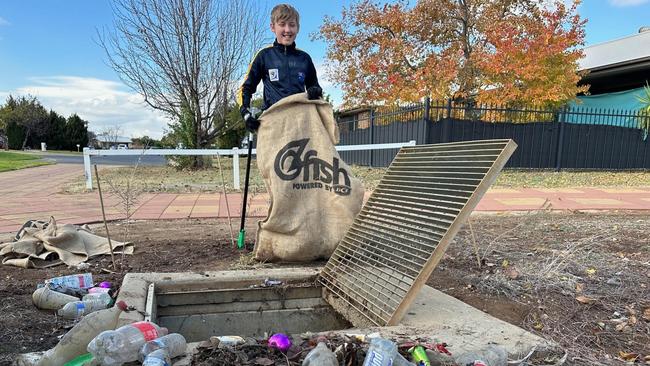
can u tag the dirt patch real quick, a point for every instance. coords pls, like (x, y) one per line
(582, 280)
(533, 267)
(160, 246)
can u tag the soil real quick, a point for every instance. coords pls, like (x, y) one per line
(532, 269)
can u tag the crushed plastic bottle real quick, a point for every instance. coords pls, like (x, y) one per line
(75, 341)
(174, 343)
(104, 298)
(321, 355)
(159, 357)
(99, 290)
(77, 309)
(383, 352)
(492, 355)
(116, 347)
(72, 281)
(48, 299)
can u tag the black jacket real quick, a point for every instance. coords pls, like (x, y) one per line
(284, 70)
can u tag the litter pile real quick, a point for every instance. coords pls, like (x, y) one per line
(338, 349)
(40, 244)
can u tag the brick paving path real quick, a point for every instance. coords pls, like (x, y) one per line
(35, 194)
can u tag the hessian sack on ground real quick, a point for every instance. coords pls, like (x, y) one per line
(314, 197)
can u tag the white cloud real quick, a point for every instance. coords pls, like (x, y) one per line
(622, 3)
(4, 21)
(103, 103)
(328, 86)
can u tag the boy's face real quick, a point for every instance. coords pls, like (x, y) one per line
(285, 31)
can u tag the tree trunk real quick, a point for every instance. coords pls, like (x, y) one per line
(27, 134)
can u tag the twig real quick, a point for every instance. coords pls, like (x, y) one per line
(474, 243)
(101, 201)
(225, 197)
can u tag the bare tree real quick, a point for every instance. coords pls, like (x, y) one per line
(185, 55)
(110, 135)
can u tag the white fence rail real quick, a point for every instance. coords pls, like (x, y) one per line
(235, 152)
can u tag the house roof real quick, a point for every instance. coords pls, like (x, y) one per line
(114, 139)
(617, 53)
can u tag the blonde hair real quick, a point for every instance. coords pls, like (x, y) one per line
(284, 12)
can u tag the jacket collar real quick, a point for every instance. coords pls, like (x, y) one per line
(284, 48)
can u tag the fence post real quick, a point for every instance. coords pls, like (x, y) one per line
(426, 139)
(235, 167)
(372, 132)
(560, 139)
(87, 171)
(427, 106)
(447, 124)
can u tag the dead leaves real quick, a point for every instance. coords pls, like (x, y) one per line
(585, 299)
(646, 314)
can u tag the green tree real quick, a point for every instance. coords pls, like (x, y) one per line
(76, 132)
(55, 136)
(15, 135)
(32, 117)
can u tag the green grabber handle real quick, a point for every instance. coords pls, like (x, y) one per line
(242, 232)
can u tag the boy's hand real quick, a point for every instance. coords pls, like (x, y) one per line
(314, 92)
(252, 123)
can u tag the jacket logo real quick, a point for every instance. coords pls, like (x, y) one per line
(316, 173)
(274, 75)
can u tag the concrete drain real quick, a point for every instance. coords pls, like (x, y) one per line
(253, 312)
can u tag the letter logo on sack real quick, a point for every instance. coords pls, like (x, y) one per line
(290, 164)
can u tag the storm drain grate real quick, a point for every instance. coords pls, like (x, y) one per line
(406, 225)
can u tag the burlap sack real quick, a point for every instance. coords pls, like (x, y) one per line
(314, 197)
(52, 244)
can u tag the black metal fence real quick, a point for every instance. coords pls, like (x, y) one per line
(565, 138)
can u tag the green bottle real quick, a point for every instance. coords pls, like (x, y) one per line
(80, 360)
(419, 355)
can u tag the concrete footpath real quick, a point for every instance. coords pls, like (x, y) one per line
(35, 194)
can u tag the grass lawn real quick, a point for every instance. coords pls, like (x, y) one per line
(168, 179)
(14, 161)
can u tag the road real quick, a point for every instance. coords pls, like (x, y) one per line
(106, 160)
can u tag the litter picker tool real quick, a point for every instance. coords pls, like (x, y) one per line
(242, 232)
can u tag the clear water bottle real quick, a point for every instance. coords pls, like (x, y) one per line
(492, 355)
(77, 309)
(72, 281)
(174, 343)
(94, 290)
(320, 356)
(75, 342)
(159, 357)
(383, 352)
(103, 298)
(116, 347)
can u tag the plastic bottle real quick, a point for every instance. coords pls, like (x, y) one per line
(81, 360)
(174, 343)
(159, 357)
(320, 356)
(77, 309)
(104, 298)
(116, 347)
(383, 352)
(48, 299)
(73, 281)
(74, 343)
(492, 355)
(99, 290)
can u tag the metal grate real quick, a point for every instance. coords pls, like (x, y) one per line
(406, 225)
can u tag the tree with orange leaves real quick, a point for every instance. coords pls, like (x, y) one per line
(507, 51)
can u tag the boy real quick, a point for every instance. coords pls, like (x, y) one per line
(284, 69)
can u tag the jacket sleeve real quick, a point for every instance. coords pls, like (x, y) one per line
(311, 79)
(249, 86)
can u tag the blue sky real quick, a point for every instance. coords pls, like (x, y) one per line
(48, 49)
